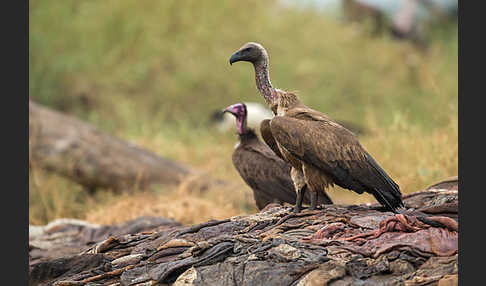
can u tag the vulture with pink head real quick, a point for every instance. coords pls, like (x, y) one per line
(264, 172)
(321, 152)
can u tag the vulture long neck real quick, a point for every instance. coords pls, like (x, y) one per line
(247, 136)
(241, 125)
(263, 83)
(244, 133)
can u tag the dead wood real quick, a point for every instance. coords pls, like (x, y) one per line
(92, 158)
(337, 245)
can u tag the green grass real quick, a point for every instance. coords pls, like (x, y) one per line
(152, 72)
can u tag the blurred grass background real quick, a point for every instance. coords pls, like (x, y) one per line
(151, 72)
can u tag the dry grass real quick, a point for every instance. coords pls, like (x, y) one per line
(48, 198)
(176, 205)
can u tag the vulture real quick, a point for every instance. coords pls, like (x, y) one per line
(264, 172)
(321, 152)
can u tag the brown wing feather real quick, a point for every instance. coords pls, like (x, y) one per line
(314, 139)
(265, 173)
(268, 137)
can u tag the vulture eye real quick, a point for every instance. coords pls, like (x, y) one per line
(246, 50)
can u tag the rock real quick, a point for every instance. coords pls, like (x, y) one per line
(339, 245)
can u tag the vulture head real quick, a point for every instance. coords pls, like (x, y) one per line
(239, 111)
(250, 52)
(257, 55)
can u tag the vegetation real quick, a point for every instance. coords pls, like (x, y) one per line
(151, 72)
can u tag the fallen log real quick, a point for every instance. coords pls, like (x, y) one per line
(94, 159)
(337, 245)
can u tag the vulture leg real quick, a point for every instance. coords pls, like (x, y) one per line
(300, 187)
(298, 201)
(313, 197)
(323, 199)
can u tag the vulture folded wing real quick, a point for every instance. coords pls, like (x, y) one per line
(268, 137)
(315, 140)
(268, 177)
(270, 141)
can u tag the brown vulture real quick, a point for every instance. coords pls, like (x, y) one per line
(266, 173)
(321, 152)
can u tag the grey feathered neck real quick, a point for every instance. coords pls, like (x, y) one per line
(262, 77)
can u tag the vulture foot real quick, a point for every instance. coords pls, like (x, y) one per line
(300, 197)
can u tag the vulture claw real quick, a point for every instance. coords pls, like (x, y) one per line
(296, 209)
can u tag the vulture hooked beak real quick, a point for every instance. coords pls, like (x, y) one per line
(229, 109)
(236, 57)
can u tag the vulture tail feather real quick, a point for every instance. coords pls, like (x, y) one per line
(390, 202)
(388, 194)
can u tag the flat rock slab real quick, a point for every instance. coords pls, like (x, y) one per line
(64, 237)
(335, 245)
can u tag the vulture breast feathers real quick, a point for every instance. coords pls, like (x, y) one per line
(314, 139)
